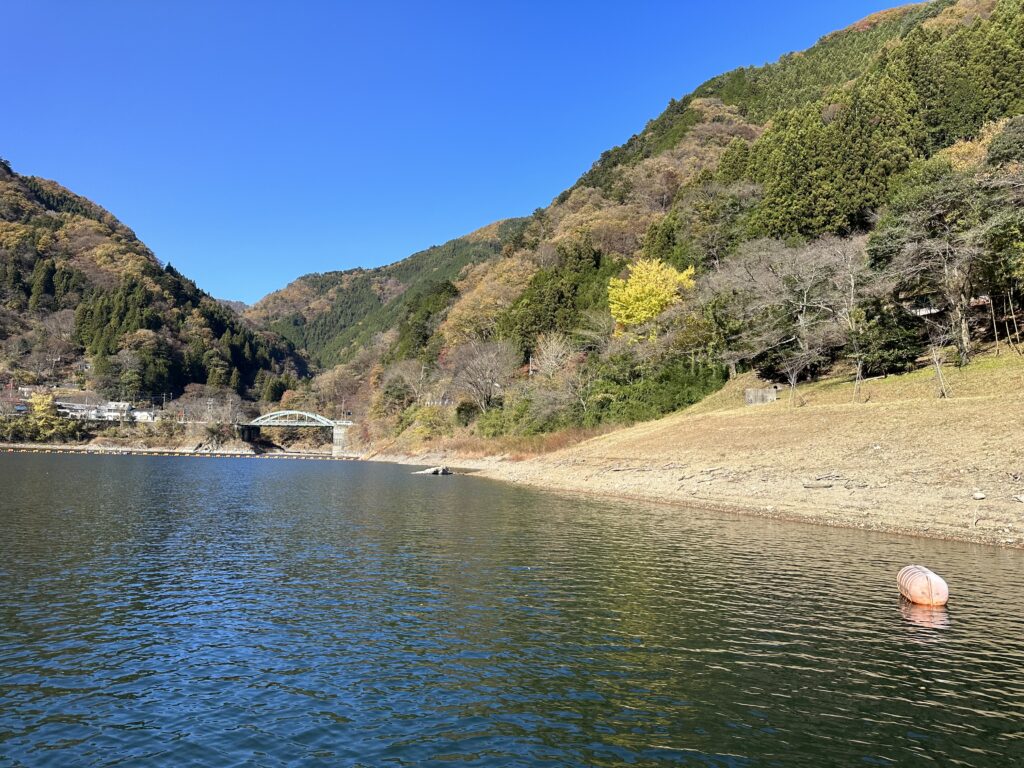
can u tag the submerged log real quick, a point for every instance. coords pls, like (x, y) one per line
(921, 586)
(434, 471)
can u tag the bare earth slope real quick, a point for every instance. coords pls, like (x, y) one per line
(903, 461)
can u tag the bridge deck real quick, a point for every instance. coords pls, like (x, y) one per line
(296, 423)
(294, 419)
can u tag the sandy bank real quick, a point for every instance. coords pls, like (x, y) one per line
(903, 462)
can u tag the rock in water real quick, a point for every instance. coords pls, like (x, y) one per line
(922, 586)
(434, 471)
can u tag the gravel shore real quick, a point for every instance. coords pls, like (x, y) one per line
(903, 462)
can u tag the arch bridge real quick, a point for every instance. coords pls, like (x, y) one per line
(250, 431)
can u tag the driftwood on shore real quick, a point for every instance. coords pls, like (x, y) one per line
(434, 471)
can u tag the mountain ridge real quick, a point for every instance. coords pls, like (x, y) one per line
(668, 129)
(756, 168)
(78, 286)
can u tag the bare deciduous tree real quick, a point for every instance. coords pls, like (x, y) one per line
(950, 266)
(799, 304)
(940, 254)
(482, 370)
(339, 390)
(554, 351)
(413, 373)
(578, 383)
(939, 337)
(854, 282)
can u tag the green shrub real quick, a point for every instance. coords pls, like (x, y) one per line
(465, 412)
(1008, 146)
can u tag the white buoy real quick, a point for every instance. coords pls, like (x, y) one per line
(922, 586)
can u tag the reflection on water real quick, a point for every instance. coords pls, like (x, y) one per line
(162, 611)
(925, 616)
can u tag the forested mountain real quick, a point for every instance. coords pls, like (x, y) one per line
(83, 301)
(332, 315)
(851, 207)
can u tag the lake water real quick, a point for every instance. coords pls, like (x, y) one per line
(221, 612)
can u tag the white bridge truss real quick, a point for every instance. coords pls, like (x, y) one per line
(295, 419)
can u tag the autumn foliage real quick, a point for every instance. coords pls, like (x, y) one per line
(651, 288)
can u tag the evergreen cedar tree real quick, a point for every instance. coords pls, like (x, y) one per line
(147, 330)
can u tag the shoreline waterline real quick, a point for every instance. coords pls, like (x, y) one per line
(557, 477)
(87, 450)
(551, 476)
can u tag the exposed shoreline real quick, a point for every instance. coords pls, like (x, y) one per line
(972, 521)
(654, 484)
(902, 463)
(659, 485)
(898, 460)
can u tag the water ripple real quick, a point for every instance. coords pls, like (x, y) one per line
(167, 611)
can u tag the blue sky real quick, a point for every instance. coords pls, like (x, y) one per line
(251, 142)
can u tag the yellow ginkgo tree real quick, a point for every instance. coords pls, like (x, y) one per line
(651, 287)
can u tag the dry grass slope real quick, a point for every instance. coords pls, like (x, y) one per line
(963, 12)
